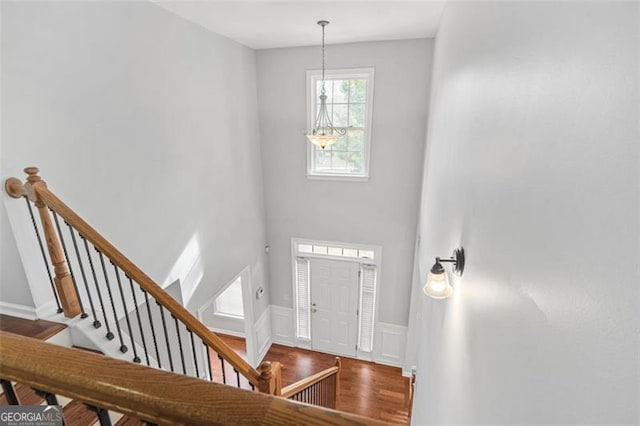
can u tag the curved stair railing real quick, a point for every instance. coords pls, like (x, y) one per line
(92, 279)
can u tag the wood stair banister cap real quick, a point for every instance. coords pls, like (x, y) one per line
(14, 187)
(266, 370)
(33, 181)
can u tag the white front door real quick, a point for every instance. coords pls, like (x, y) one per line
(334, 306)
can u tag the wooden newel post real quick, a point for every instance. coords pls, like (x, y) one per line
(62, 280)
(270, 380)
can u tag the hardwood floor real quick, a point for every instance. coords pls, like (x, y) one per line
(366, 388)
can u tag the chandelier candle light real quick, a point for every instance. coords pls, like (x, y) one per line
(323, 133)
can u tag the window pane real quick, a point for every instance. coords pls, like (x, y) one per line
(367, 254)
(340, 91)
(339, 160)
(305, 248)
(355, 161)
(320, 249)
(335, 251)
(367, 308)
(340, 115)
(356, 115)
(328, 85)
(355, 138)
(303, 329)
(323, 159)
(341, 145)
(350, 252)
(358, 91)
(230, 300)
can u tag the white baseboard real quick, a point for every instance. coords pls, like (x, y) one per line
(282, 325)
(227, 332)
(16, 310)
(48, 310)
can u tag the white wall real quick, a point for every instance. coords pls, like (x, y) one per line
(147, 126)
(532, 165)
(382, 211)
(14, 288)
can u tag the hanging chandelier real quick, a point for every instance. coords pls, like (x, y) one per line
(323, 133)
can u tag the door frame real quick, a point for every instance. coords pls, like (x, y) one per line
(377, 261)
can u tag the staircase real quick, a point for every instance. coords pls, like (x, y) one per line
(108, 304)
(74, 412)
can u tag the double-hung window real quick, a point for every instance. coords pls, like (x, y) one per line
(349, 105)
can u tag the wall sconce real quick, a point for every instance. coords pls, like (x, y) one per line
(437, 285)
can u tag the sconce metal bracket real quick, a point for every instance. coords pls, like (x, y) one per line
(457, 259)
(458, 262)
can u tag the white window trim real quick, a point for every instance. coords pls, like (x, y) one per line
(216, 303)
(377, 262)
(313, 76)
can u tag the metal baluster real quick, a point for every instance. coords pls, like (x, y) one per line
(44, 256)
(237, 376)
(252, 386)
(184, 368)
(123, 348)
(96, 323)
(136, 358)
(153, 329)
(208, 362)
(224, 374)
(51, 398)
(193, 349)
(10, 392)
(103, 415)
(66, 256)
(95, 281)
(166, 334)
(135, 302)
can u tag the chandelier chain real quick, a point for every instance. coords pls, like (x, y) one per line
(323, 91)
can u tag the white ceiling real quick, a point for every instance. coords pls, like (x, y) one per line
(267, 24)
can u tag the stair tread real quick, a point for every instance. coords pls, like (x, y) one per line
(26, 395)
(76, 413)
(37, 329)
(130, 421)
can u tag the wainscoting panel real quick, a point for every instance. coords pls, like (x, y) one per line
(390, 342)
(262, 329)
(282, 325)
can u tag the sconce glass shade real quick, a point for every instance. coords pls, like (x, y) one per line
(437, 285)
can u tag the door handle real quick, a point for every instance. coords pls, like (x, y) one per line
(313, 308)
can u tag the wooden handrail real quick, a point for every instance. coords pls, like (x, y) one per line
(154, 395)
(302, 384)
(36, 189)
